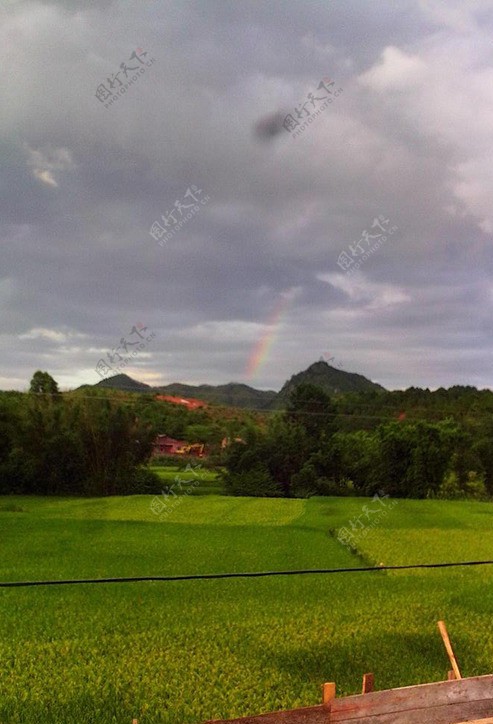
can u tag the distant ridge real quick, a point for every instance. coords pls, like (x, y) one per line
(234, 394)
(237, 394)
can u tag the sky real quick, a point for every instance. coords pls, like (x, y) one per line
(276, 182)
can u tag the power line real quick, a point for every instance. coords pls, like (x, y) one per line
(252, 574)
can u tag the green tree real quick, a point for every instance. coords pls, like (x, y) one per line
(114, 444)
(46, 455)
(43, 382)
(311, 407)
(10, 408)
(247, 468)
(284, 451)
(395, 458)
(353, 456)
(483, 448)
(198, 432)
(431, 456)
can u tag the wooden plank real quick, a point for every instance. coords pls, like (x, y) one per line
(447, 714)
(307, 715)
(448, 647)
(444, 702)
(328, 692)
(463, 698)
(368, 683)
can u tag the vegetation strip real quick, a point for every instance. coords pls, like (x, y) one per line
(250, 574)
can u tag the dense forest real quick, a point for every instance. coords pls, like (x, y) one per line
(413, 443)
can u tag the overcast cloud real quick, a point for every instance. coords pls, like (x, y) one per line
(408, 141)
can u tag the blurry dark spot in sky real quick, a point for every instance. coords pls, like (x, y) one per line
(268, 127)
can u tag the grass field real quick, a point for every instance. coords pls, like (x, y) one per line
(209, 482)
(183, 652)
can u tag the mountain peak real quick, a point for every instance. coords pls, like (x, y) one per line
(123, 382)
(332, 380)
(320, 364)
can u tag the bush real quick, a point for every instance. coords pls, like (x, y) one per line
(305, 483)
(340, 488)
(142, 482)
(139, 481)
(256, 482)
(474, 487)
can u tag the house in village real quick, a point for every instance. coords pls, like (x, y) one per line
(166, 445)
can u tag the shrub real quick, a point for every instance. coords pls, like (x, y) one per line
(340, 488)
(255, 482)
(305, 483)
(143, 481)
(474, 487)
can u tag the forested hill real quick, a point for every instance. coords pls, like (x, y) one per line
(232, 394)
(330, 379)
(235, 394)
(124, 383)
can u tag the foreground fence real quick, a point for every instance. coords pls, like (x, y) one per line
(455, 701)
(446, 702)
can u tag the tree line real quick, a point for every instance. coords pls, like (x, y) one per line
(53, 446)
(315, 447)
(412, 443)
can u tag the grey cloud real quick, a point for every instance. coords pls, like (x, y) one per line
(76, 250)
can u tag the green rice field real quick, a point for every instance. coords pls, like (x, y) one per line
(184, 652)
(209, 481)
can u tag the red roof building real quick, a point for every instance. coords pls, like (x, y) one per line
(166, 445)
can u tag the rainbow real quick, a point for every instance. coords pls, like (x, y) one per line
(262, 347)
